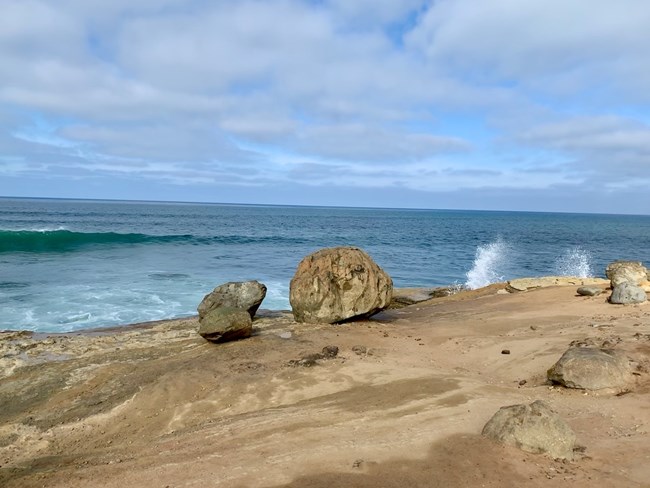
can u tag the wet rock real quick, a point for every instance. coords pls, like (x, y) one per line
(632, 272)
(591, 369)
(533, 428)
(247, 295)
(226, 324)
(627, 293)
(330, 352)
(589, 291)
(337, 284)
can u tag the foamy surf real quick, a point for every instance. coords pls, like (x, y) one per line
(575, 261)
(489, 263)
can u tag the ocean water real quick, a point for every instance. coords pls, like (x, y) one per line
(68, 265)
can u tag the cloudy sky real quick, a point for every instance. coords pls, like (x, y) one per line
(480, 104)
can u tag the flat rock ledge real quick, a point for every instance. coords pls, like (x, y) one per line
(526, 284)
(590, 368)
(532, 428)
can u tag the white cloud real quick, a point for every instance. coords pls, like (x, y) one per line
(368, 92)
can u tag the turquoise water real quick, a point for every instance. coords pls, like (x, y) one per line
(68, 265)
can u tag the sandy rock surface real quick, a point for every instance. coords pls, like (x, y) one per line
(402, 403)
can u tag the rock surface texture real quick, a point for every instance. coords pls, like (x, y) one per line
(620, 272)
(627, 293)
(337, 284)
(591, 369)
(526, 284)
(247, 295)
(226, 324)
(533, 428)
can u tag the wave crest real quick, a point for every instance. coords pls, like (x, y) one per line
(488, 264)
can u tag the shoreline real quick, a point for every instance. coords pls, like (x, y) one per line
(404, 401)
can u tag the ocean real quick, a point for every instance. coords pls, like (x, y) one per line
(68, 265)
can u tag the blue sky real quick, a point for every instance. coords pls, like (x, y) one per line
(481, 104)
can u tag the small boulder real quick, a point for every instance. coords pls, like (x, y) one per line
(627, 293)
(591, 369)
(589, 291)
(620, 272)
(533, 428)
(226, 324)
(337, 284)
(247, 295)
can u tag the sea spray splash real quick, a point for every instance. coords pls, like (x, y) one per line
(488, 264)
(575, 261)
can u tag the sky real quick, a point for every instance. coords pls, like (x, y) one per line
(539, 105)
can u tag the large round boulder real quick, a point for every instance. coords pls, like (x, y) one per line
(627, 293)
(226, 324)
(533, 428)
(337, 284)
(632, 272)
(591, 369)
(247, 295)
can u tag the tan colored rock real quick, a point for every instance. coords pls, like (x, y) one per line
(632, 272)
(525, 284)
(337, 284)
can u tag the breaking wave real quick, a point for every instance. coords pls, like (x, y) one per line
(575, 262)
(489, 264)
(62, 240)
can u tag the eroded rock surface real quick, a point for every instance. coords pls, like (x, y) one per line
(337, 284)
(620, 272)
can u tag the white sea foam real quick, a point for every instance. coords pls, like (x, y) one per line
(575, 261)
(488, 264)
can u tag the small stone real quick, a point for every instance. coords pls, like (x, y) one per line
(505, 351)
(360, 350)
(589, 291)
(522, 382)
(533, 327)
(285, 335)
(330, 351)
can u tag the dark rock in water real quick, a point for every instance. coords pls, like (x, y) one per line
(632, 272)
(589, 291)
(337, 284)
(533, 428)
(247, 295)
(226, 324)
(591, 369)
(627, 293)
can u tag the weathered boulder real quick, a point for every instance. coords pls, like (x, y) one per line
(626, 293)
(247, 295)
(525, 284)
(533, 428)
(226, 324)
(337, 284)
(589, 291)
(626, 271)
(591, 369)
